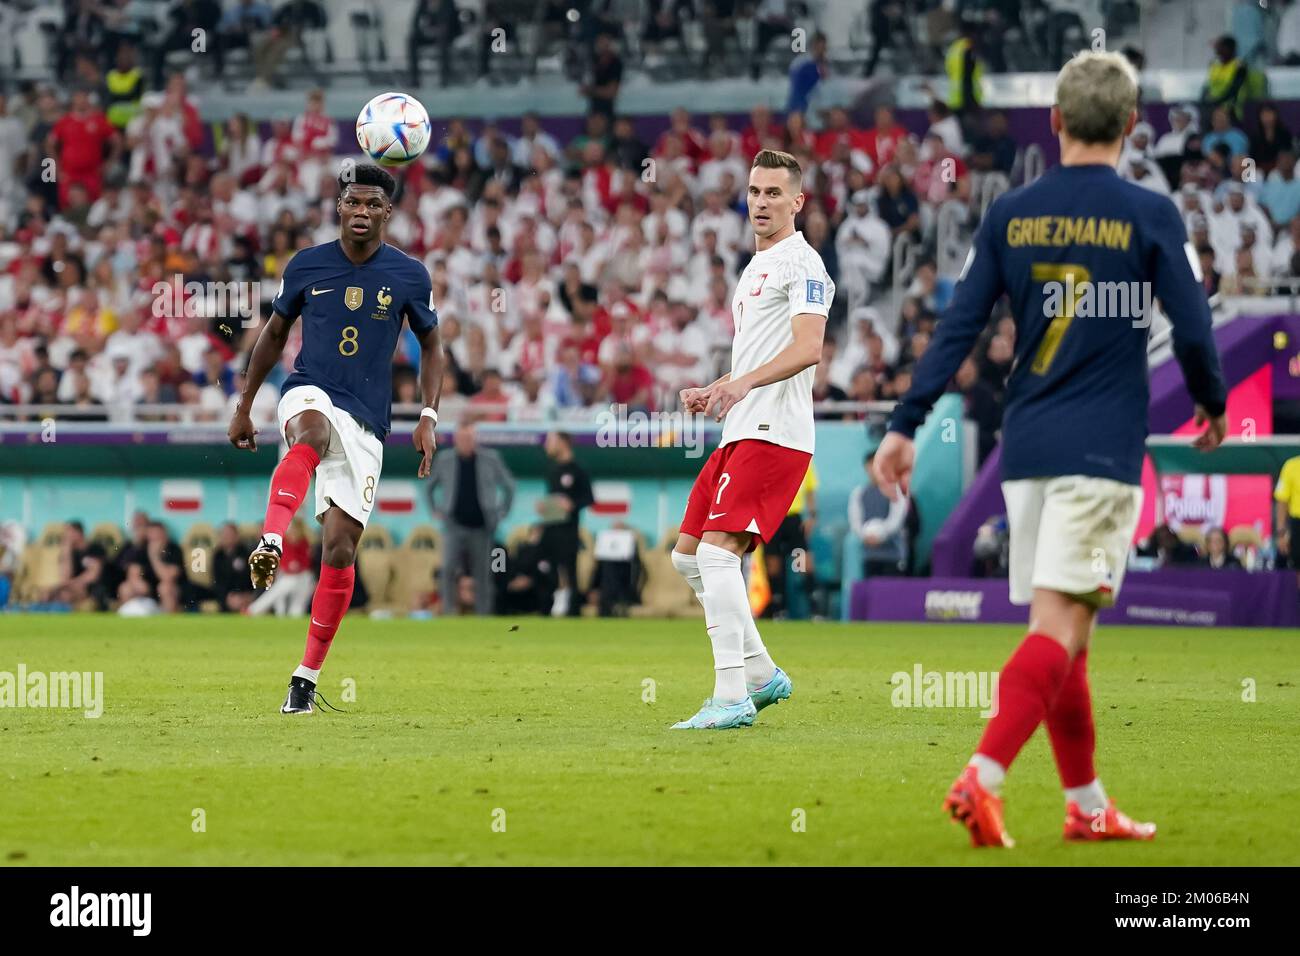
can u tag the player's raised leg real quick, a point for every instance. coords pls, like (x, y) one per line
(340, 533)
(308, 436)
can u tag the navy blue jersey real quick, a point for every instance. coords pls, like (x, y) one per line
(1077, 253)
(351, 320)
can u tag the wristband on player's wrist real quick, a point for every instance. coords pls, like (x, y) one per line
(429, 412)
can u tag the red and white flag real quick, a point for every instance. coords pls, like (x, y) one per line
(397, 497)
(611, 497)
(182, 495)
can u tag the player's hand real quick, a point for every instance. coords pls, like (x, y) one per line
(693, 399)
(892, 466)
(242, 433)
(724, 397)
(425, 443)
(1217, 428)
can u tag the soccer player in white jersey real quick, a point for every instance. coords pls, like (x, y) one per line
(744, 490)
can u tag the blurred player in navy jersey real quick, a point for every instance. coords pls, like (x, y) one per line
(1080, 253)
(353, 295)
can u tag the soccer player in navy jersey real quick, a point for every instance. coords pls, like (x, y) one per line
(1080, 253)
(352, 295)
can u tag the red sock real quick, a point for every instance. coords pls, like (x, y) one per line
(328, 605)
(1069, 724)
(289, 487)
(1027, 687)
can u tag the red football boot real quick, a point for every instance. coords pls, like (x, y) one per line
(978, 810)
(1108, 825)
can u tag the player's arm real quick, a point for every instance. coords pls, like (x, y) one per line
(265, 356)
(978, 289)
(804, 351)
(1182, 297)
(424, 323)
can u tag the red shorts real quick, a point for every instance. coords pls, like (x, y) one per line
(747, 485)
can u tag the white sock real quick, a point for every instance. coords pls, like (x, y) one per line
(989, 772)
(726, 607)
(272, 538)
(303, 670)
(759, 668)
(1090, 797)
(560, 603)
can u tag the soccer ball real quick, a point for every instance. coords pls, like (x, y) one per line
(393, 129)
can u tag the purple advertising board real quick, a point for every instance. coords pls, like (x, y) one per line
(1174, 597)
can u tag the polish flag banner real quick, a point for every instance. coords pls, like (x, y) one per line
(612, 498)
(397, 497)
(182, 495)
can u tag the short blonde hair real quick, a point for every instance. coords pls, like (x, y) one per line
(1096, 93)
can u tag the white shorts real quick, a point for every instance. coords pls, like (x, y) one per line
(348, 474)
(1070, 534)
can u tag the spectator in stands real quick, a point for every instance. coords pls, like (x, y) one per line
(1167, 548)
(153, 574)
(470, 491)
(82, 143)
(889, 31)
(993, 150)
(1218, 552)
(863, 247)
(605, 78)
(806, 72)
(1280, 195)
(880, 524)
(186, 17)
(123, 87)
(983, 406)
(231, 586)
(530, 580)
(1287, 37)
(1227, 83)
(617, 576)
(1271, 137)
(82, 566)
(434, 23)
(897, 204)
(964, 68)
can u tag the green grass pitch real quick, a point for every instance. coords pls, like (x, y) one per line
(472, 743)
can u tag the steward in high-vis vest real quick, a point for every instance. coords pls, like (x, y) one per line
(123, 88)
(1228, 81)
(965, 70)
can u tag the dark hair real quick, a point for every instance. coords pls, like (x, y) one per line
(367, 174)
(78, 525)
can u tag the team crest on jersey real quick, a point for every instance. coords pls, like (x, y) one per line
(353, 297)
(385, 300)
(816, 292)
(759, 288)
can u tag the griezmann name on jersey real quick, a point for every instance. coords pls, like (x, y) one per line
(780, 282)
(1080, 253)
(351, 320)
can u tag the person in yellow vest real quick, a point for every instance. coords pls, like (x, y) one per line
(790, 543)
(1227, 82)
(123, 87)
(965, 70)
(1286, 525)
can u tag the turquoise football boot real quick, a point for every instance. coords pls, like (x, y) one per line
(720, 716)
(777, 689)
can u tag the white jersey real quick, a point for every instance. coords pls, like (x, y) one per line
(780, 282)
